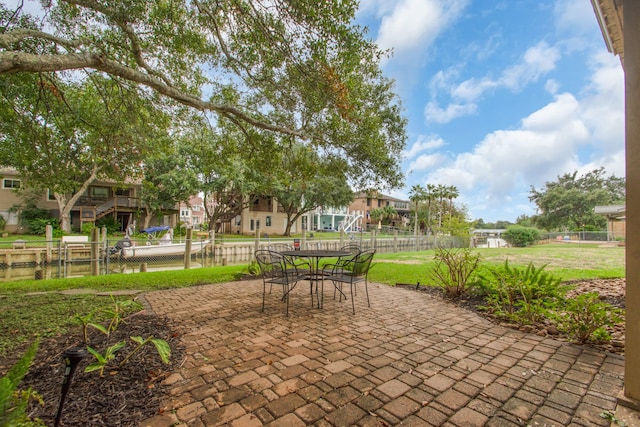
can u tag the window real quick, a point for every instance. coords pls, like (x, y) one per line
(252, 225)
(267, 221)
(10, 183)
(368, 202)
(99, 192)
(50, 195)
(184, 213)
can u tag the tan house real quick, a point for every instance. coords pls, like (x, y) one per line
(264, 213)
(102, 199)
(365, 202)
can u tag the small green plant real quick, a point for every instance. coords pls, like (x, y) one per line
(3, 223)
(14, 402)
(585, 317)
(521, 295)
(87, 321)
(115, 316)
(611, 417)
(453, 270)
(253, 268)
(119, 310)
(103, 359)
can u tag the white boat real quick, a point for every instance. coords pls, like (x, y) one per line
(162, 249)
(163, 246)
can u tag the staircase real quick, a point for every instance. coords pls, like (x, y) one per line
(349, 222)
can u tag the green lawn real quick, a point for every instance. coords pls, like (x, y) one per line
(33, 308)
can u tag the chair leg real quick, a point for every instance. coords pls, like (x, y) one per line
(264, 291)
(353, 300)
(287, 297)
(366, 289)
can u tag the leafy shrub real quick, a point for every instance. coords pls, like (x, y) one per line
(585, 317)
(453, 270)
(39, 226)
(521, 295)
(112, 224)
(87, 228)
(521, 236)
(37, 219)
(3, 223)
(13, 402)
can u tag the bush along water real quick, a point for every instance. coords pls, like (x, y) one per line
(531, 296)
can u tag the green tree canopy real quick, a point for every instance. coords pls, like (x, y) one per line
(64, 135)
(296, 68)
(303, 182)
(569, 202)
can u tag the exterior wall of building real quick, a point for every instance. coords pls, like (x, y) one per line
(263, 214)
(365, 203)
(193, 214)
(125, 204)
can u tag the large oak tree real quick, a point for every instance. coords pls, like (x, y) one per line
(297, 68)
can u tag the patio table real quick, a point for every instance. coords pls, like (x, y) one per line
(315, 273)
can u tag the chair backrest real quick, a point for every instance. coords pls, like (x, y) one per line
(280, 247)
(362, 262)
(352, 248)
(270, 263)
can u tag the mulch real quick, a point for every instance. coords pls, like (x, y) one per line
(123, 396)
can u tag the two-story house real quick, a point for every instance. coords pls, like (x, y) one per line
(102, 199)
(365, 202)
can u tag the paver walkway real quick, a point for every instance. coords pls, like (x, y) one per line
(411, 359)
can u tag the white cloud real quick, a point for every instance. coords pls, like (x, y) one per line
(434, 114)
(424, 143)
(496, 175)
(426, 161)
(414, 24)
(575, 16)
(537, 61)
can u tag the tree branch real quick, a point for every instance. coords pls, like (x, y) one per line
(15, 62)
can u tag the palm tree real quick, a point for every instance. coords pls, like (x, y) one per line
(452, 193)
(417, 194)
(430, 195)
(439, 192)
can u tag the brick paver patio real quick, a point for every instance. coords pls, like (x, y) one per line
(411, 359)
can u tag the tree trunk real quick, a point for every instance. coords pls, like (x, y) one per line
(147, 218)
(64, 205)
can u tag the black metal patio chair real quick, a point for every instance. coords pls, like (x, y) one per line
(275, 269)
(353, 271)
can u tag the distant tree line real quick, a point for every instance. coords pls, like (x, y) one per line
(568, 204)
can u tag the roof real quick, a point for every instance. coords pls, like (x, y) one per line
(616, 211)
(609, 15)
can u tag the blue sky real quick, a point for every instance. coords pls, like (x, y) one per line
(500, 95)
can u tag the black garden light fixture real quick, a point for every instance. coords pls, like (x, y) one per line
(72, 358)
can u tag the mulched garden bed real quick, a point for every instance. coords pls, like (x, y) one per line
(122, 397)
(611, 291)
